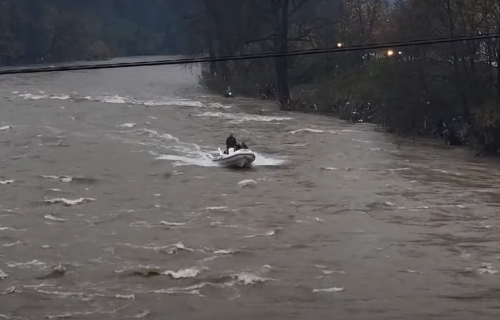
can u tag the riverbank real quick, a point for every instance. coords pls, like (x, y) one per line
(448, 128)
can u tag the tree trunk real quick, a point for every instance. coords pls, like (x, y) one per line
(456, 62)
(211, 53)
(498, 66)
(489, 48)
(216, 47)
(280, 13)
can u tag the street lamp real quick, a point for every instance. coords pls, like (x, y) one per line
(390, 53)
(339, 44)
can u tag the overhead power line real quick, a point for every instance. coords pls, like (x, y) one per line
(387, 45)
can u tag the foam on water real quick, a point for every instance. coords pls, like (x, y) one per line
(53, 218)
(42, 95)
(5, 128)
(172, 224)
(243, 117)
(127, 125)
(247, 183)
(218, 106)
(143, 314)
(200, 159)
(204, 159)
(329, 290)
(11, 244)
(266, 160)
(119, 99)
(309, 130)
(30, 96)
(183, 273)
(69, 202)
(172, 101)
(26, 265)
(361, 141)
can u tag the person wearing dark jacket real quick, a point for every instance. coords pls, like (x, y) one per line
(231, 142)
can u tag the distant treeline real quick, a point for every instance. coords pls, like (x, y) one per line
(33, 31)
(449, 90)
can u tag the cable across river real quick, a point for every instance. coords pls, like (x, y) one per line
(338, 49)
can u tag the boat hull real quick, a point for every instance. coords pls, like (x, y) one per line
(238, 159)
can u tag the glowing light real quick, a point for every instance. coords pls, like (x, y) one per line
(340, 44)
(390, 53)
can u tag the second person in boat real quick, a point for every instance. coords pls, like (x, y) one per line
(232, 143)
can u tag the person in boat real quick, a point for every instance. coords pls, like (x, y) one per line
(231, 143)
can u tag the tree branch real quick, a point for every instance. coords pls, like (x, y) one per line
(297, 6)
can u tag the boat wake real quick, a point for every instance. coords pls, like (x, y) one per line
(202, 158)
(171, 148)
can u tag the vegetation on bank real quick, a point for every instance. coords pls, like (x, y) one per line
(448, 90)
(35, 31)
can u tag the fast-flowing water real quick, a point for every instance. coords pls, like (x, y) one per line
(111, 208)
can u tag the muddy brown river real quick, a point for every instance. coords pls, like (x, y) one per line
(111, 208)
